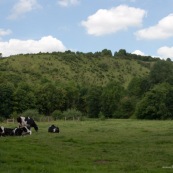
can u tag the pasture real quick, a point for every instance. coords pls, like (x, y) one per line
(92, 146)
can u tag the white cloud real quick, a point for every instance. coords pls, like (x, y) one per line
(4, 32)
(66, 3)
(138, 52)
(165, 52)
(164, 29)
(113, 20)
(22, 7)
(45, 44)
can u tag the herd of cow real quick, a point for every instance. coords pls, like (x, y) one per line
(25, 125)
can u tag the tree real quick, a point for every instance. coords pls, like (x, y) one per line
(120, 53)
(168, 59)
(110, 99)
(138, 86)
(6, 99)
(155, 105)
(126, 108)
(93, 101)
(50, 98)
(71, 97)
(82, 100)
(106, 52)
(24, 98)
(162, 71)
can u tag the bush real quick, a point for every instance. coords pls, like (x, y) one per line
(72, 114)
(102, 116)
(2, 119)
(156, 104)
(32, 113)
(14, 115)
(57, 114)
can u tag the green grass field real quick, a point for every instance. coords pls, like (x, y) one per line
(92, 146)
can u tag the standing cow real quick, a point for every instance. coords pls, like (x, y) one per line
(27, 121)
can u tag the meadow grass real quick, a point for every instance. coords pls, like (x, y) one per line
(91, 146)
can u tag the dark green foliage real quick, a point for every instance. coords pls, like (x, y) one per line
(6, 99)
(50, 98)
(104, 66)
(127, 107)
(31, 113)
(106, 52)
(82, 100)
(24, 98)
(96, 84)
(72, 114)
(138, 86)
(71, 96)
(110, 99)
(94, 101)
(162, 71)
(155, 104)
(57, 114)
(120, 53)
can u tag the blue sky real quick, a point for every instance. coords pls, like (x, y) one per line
(139, 26)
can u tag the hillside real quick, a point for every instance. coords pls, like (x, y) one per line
(95, 84)
(79, 68)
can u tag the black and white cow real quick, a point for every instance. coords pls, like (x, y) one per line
(6, 131)
(28, 122)
(21, 131)
(53, 129)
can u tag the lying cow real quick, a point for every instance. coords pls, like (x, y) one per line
(14, 132)
(28, 122)
(6, 131)
(53, 129)
(21, 131)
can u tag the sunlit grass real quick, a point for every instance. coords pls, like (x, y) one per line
(90, 147)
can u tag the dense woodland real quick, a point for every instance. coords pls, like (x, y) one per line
(95, 85)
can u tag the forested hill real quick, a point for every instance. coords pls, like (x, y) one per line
(96, 69)
(95, 85)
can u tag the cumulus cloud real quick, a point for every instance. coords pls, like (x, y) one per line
(165, 52)
(164, 29)
(45, 44)
(113, 20)
(138, 52)
(4, 32)
(22, 7)
(66, 3)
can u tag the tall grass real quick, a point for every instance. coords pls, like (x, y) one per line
(91, 147)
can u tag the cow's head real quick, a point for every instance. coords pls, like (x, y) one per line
(36, 128)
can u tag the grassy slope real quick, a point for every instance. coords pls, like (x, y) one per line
(81, 70)
(91, 147)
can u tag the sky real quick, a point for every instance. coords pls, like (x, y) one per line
(143, 27)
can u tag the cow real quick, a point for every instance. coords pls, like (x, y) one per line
(28, 122)
(53, 129)
(14, 132)
(6, 131)
(21, 131)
